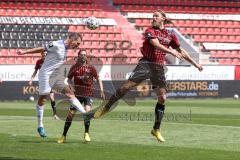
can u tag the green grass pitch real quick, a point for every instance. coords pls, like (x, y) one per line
(194, 130)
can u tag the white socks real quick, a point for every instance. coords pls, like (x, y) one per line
(39, 110)
(76, 104)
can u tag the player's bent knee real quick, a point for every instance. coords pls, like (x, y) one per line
(87, 108)
(125, 89)
(42, 100)
(72, 112)
(122, 91)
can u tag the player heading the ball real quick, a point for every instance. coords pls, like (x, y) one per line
(55, 55)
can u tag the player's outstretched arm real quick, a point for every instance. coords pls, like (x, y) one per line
(101, 88)
(31, 51)
(156, 44)
(188, 58)
(32, 77)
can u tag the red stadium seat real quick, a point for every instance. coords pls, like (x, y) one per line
(102, 53)
(10, 12)
(235, 61)
(58, 13)
(95, 44)
(222, 61)
(102, 37)
(233, 31)
(203, 30)
(71, 53)
(228, 61)
(11, 60)
(2, 12)
(72, 29)
(216, 23)
(3, 60)
(29, 60)
(80, 29)
(232, 38)
(195, 30)
(33, 13)
(4, 52)
(42, 13)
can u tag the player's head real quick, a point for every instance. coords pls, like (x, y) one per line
(82, 57)
(73, 41)
(160, 18)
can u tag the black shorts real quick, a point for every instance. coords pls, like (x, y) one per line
(149, 70)
(85, 101)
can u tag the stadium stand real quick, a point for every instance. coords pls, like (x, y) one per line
(23, 36)
(200, 30)
(103, 43)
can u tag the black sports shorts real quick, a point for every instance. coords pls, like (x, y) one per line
(84, 100)
(149, 70)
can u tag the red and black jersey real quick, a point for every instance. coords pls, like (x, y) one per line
(165, 37)
(39, 64)
(83, 76)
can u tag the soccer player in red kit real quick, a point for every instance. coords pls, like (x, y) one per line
(83, 75)
(156, 45)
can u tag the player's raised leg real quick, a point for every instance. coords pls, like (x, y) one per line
(114, 98)
(72, 99)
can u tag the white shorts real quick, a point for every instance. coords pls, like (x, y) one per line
(43, 82)
(51, 80)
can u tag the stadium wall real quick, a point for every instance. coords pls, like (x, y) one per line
(183, 81)
(122, 72)
(20, 90)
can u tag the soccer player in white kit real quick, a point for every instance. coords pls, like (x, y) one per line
(56, 53)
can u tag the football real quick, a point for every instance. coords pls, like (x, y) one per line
(235, 96)
(92, 23)
(31, 98)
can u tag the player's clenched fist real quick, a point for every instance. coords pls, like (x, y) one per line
(20, 52)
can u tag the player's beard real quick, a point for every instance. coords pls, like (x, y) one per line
(156, 24)
(82, 60)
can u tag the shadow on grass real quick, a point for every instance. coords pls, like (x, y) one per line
(50, 141)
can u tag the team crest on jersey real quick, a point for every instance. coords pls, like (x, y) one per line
(165, 40)
(149, 35)
(50, 44)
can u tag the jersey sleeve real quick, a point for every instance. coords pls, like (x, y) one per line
(36, 66)
(174, 42)
(150, 34)
(48, 46)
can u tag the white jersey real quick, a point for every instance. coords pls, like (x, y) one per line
(56, 53)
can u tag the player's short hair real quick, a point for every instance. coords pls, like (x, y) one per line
(80, 54)
(82, 50)
(167, 21)
(74, 36)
